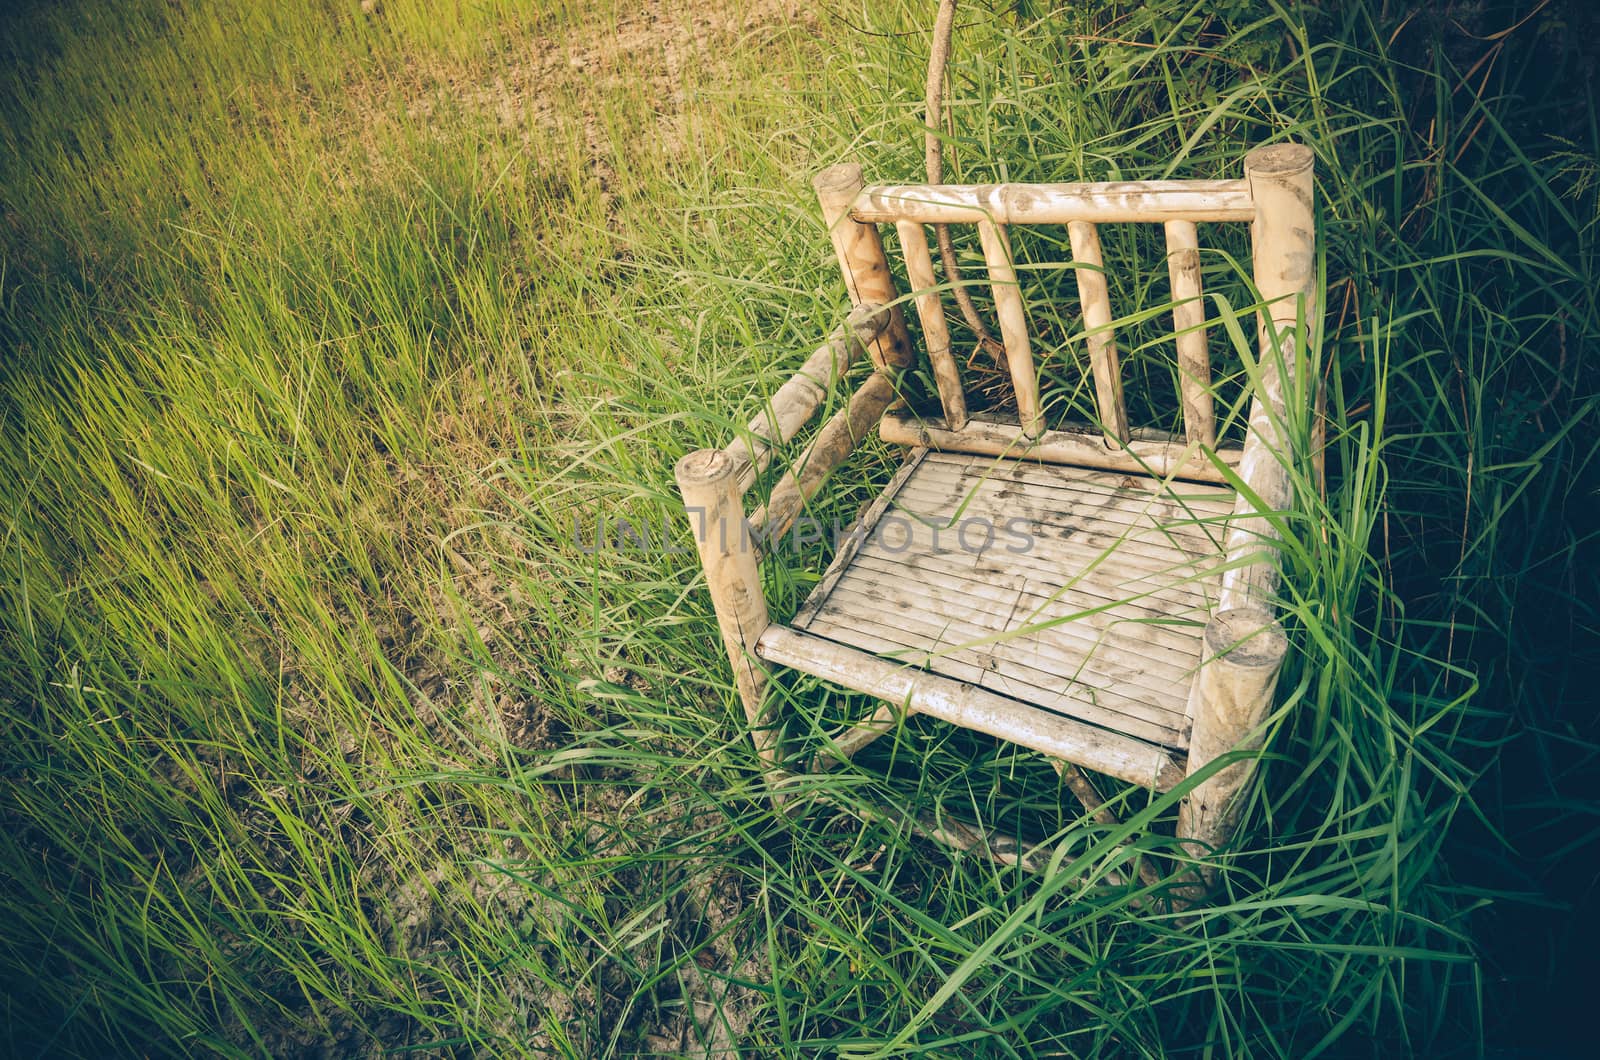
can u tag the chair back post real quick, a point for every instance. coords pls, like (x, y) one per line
(1013, 315)
(935, 331)
(1283, 239)
(859, 248)
(1244, 645)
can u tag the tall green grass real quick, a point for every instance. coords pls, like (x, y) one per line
(322, 729)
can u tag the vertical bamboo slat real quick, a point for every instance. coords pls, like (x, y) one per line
(1013, 327)
(1096, 301)
(1188, 326)
(709, 482)
(930, 311)
(859, 248)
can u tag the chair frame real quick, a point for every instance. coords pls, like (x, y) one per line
(1243, 645)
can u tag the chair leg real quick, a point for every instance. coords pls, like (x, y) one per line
(709, 482)
(1231, 696)
(853, 739)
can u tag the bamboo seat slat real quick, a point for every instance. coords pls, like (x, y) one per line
(1088, 600)
(1081, 571)
(968, 705)
(1133, 625)
(1026, 668)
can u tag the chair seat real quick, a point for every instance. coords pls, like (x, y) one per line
(1077, 592)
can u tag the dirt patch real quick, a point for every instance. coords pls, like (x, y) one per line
(482, 692)
(655, 51)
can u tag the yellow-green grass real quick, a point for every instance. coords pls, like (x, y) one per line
(328, 339)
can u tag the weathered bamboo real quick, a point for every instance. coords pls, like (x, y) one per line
(988, 437)
(1230, 698)
(1004, 850)
(708, 481)
(1140, 200)
(798, 400)
(930, 311)
(861, 258)
(944, 828)
(835, 441)
(852, 543)
(1095, 299)
(1013, 326)
(972, 707)
(1284, 252)
(1189, 330)
(1095, 806)
(792, 790)
(848, 742)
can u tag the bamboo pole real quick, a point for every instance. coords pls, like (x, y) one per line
(930, 311)
(1231, 696)
(1284, 251)
(971, 707)
(1095, 806)
(792, 790)
(797, 400)
(851, 740)
(1013, 326)
(859, 249)
(1095, 298)
(1007, 851)
(1163, 458)
(1189, 332)
(835, 441)
(708, 481)
(1103, 203)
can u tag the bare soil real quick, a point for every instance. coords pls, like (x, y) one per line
(654, 51)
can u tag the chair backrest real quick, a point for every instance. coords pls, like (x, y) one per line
(1274, 196)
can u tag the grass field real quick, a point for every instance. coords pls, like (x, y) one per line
(328, 338)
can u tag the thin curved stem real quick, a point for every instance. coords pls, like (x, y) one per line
(933, 113)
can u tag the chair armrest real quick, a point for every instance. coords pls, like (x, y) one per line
(797, 400)
(836, 440)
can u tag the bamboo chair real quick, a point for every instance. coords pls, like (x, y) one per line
(1137, 635)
